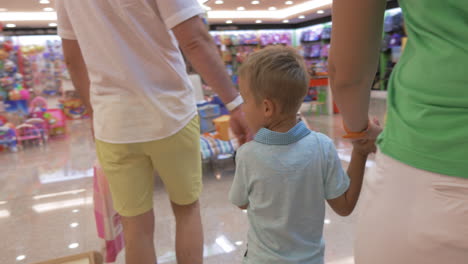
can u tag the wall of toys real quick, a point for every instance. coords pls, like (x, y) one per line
(234, 46)
(33, 104)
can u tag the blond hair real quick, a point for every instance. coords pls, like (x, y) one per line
(277, 73)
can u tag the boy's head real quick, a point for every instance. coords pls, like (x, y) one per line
(273, 83)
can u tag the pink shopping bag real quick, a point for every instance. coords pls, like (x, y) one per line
(108, 224)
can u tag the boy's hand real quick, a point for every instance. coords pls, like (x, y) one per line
(364, 147)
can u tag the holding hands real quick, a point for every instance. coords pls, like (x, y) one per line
(366, 145)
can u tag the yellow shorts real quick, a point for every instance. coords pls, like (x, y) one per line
(130, 170)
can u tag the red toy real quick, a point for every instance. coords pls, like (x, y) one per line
(57, 122)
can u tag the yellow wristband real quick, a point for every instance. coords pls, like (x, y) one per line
(356, 135)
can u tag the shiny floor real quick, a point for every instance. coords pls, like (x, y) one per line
(46, 206)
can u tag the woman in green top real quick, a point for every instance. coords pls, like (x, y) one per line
(416, 210)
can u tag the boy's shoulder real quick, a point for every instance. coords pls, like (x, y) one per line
(248, 150)
(321, 138)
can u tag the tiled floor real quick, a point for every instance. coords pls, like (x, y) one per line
(46, 204)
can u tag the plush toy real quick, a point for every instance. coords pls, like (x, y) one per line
(25, 95)
(6, 81)
(9, 66)
(14, 95)
(3, 54)
(8, 46)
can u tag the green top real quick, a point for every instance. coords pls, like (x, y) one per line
(427, 119)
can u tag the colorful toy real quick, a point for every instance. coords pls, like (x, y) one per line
(14, 95)
(222, 127)
(38, 107)
(73, 107)
(28, 133)
(24, 94)
(8, 138)
(41, 125)
(3, 54)
(56, 120)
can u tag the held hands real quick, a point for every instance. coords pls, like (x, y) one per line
(239, 126)
(366, 145)
(374, 129)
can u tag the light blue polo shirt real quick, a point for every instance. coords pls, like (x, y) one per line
(285, 179)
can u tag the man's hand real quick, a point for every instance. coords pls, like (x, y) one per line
(239, 126)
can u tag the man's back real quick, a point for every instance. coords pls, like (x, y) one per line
(287, 186)
(139, 87)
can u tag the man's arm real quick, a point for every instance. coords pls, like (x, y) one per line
(354, 56)
(78, 71)
(199, 48)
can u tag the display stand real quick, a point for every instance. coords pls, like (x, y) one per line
(324, 82)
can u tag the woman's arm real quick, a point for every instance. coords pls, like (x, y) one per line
(354, 57)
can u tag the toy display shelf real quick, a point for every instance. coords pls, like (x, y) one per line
(322, 82)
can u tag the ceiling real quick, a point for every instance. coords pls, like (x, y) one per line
(218, 11)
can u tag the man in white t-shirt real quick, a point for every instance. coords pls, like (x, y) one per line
(124, 60)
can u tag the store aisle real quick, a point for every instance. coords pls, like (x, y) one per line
(46, 204)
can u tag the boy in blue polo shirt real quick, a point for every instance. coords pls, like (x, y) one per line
(285, 175)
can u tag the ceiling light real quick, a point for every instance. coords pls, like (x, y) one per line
(44, 2)
(3, 202)
(73, 245)
(20, 257)
(289, 2)
(10, 25)
(3, 9)
(320, 12)
(258, 21)
(301, 17)
(255, 2)
(239, 243)
(327, 221)
(28, 16)
(48, 9)
(75, 211)
(285, 21)
(229, 22)
(219, 2)
(272, 8)
(73, 225)
(241, 8)
(285, 13)
(52, 24)
(207, 8)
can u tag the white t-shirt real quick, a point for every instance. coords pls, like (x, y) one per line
(140, 90)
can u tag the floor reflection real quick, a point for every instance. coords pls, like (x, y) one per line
(46, 204)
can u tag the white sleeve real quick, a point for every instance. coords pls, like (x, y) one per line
(174, 12)
(65, 29)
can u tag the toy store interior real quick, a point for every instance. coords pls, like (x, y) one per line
(47, 152)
